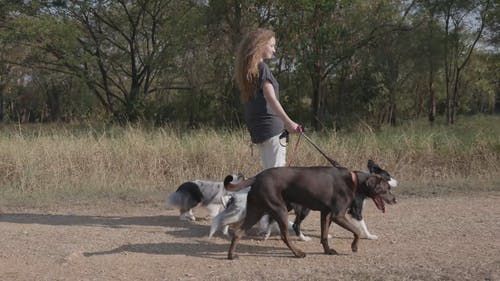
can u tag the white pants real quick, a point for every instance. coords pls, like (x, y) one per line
(272, 153)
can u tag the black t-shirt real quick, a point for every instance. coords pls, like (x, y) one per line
(262, 121)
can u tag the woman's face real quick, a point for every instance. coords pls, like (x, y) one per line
(269, 49)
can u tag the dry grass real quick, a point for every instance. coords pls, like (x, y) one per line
(42, 165)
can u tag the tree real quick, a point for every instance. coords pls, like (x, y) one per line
(5, 8)
(172, 61)
(457, 47)
(322, 36)
(118, 48)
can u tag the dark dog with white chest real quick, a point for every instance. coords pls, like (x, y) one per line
(330, 190)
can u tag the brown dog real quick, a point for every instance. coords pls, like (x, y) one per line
(329, 190)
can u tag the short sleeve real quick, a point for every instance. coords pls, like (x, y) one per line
(264, 74)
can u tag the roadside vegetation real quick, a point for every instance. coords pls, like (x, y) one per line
(43, 165)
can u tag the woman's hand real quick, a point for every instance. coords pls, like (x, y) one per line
(293, 127)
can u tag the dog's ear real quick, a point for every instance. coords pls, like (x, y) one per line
(370, 165)
(373, 168)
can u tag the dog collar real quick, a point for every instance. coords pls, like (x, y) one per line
(354, 181)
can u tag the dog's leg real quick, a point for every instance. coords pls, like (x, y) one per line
(362, 227)
(234, 241)
(217, 223)
(236, 233)
(344, 222)
(281, 217)
(325, 225)
(269, 225)
(300, 215)
(266, 225)
(190, 215)
(365, 229)
(253, 215)
(225, 230)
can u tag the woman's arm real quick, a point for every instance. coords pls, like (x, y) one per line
(270, 96)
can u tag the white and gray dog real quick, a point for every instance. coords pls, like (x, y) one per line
(210, 195)
(236, 210)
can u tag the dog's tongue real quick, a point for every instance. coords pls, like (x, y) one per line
(379, 203)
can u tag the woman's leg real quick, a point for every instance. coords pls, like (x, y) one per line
(272, 152)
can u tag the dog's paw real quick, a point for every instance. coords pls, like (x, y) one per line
(187, 218)
(232, 256)
(371, 237)
(302, 237)
(354, 247)
(266, 235)
(300, 254)
(331, 252)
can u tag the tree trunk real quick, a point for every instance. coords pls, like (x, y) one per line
(497, 102)
(432, 103)
(392, 116)
(454, 98)
(1, 103)
(316, 98)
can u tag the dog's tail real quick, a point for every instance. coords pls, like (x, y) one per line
(174, 200)
(216, 224)
(230, 186)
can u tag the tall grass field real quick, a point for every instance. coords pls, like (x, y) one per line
(47, 165)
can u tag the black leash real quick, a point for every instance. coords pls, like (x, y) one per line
(333, 162)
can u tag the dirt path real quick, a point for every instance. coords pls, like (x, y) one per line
(443, 238)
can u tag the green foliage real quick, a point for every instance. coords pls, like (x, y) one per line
(163, 62)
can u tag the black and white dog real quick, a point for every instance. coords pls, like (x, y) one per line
(355, 211)
(236, 210)
(210, 195)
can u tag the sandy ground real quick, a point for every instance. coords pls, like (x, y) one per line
(440, 238)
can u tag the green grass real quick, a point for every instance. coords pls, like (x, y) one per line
(49, 164)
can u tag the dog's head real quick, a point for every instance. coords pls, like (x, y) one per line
(379, 190)
(373, 168)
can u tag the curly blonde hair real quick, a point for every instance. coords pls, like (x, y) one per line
(248, 56)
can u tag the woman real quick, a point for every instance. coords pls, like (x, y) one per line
(265, 117)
